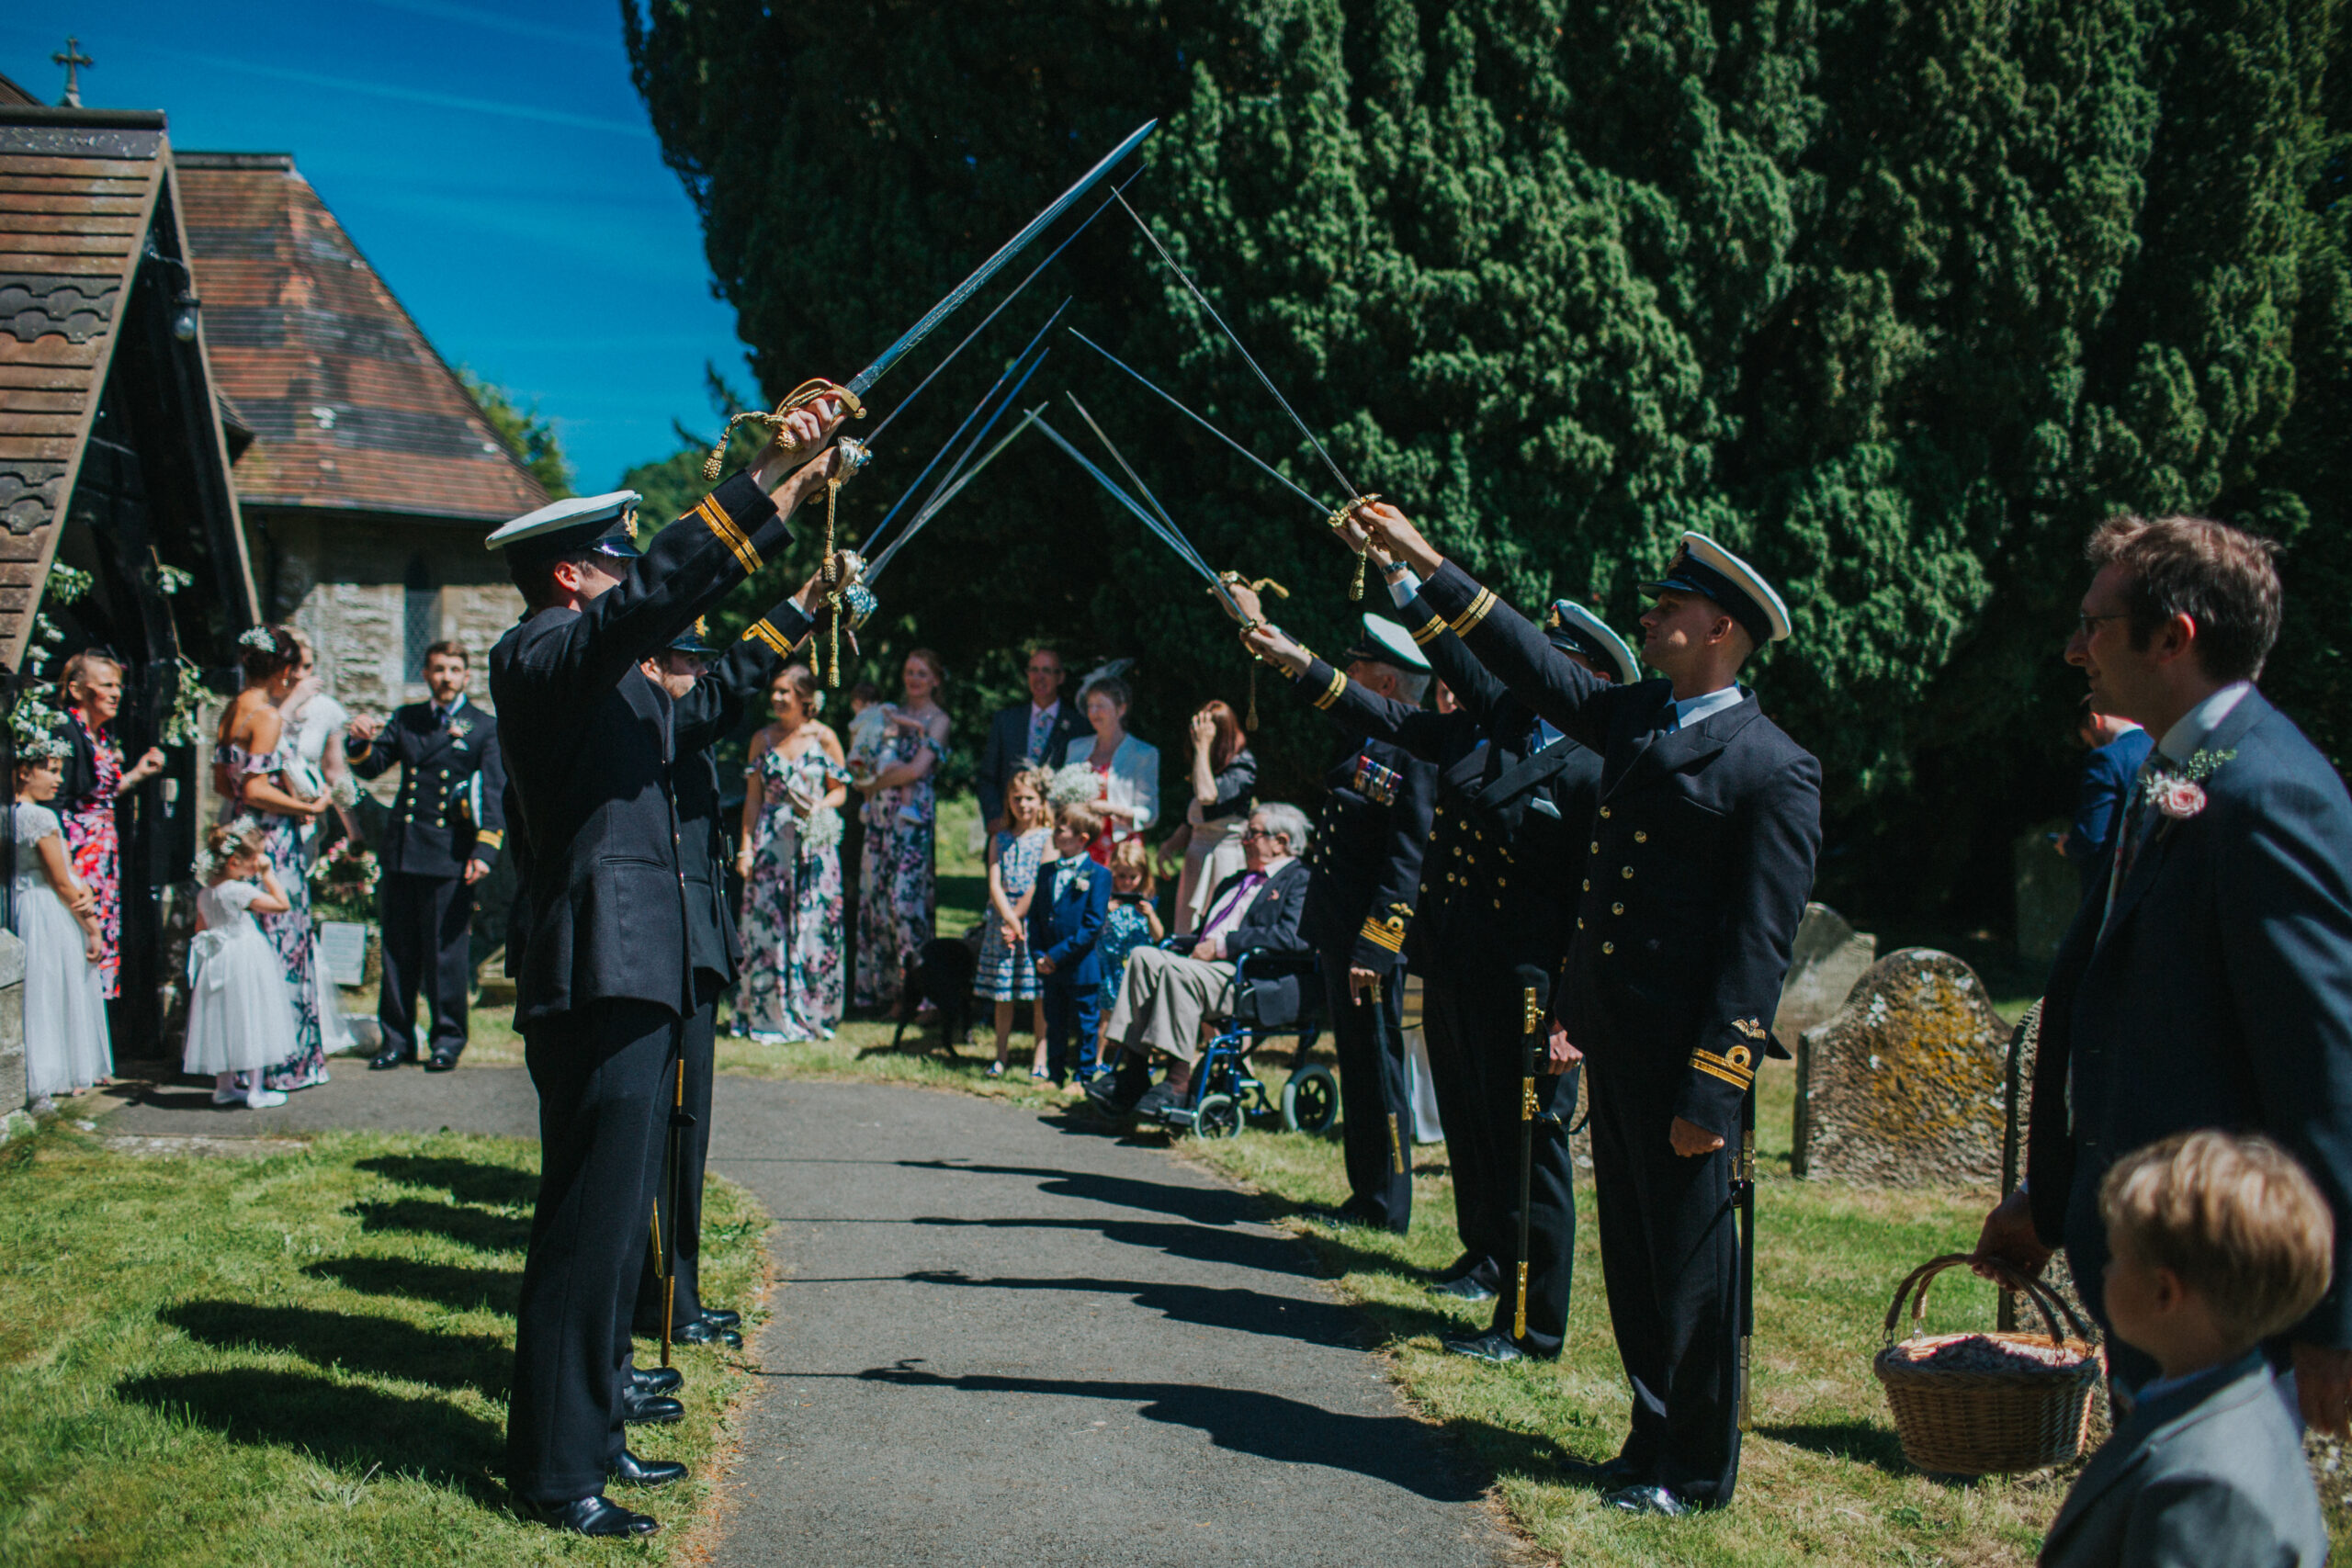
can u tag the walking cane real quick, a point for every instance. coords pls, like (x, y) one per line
(1535, 987)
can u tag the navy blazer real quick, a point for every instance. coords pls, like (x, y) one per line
(441, 818)
(590, 745)
(2108, 776)
(1271, 925)
(1699, 864)
(2210, 1474)
(2220, 995)
(1007, 751)
(1066, 928)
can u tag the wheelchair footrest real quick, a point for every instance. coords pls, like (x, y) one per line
(1176, 1116)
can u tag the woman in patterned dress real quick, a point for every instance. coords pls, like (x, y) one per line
(94, 777)
(898, 889)
(252, 767)
(791, 866)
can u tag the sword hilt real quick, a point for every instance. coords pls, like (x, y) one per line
(852, 454)
(1339, 520)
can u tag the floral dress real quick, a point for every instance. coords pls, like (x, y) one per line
(792, 904)
(1007, 972)
(291, 934)
(898, 906)
(90, 843)
(1125, 929)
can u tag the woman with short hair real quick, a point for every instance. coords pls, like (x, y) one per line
(1127, 770)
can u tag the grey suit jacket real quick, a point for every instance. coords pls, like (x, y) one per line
(2209, 1475)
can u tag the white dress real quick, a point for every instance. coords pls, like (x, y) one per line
(239, 1017)
(65, 1009)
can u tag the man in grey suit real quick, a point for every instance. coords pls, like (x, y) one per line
(2216, 1241)
(1037, 733)
(2208, 980)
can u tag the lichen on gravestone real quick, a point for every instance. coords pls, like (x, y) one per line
(1905, 1085)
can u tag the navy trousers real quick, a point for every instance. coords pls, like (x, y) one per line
(682, 1216)
(427, 935)
(1072, 1009)
(1375, 1123)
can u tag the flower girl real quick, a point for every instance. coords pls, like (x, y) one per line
(65, 1011)
(240, 1017)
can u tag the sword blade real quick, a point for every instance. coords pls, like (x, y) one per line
(866, 378)
(1264, 379)
(1321, 509)
(1137, 480)
(876, 434)
(1132, 504)
(950, 492)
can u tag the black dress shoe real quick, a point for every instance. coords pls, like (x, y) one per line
(1654, 1499)
(1468, 1288)
(638, 1406)
(702, 1331)
(631, 1470)
(443, 1060)
(1497, 1348)
(656, 1380)
(597, 1516)
(722, 1316)
(1160, 1097)
(1115, 1093)
(390, 1056)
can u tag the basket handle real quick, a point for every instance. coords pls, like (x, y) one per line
(2046, 1300)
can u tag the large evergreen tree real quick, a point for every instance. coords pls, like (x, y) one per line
(1898, 296)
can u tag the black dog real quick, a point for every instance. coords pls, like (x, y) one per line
(941, 973)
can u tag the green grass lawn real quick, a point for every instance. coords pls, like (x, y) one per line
(298, 1358)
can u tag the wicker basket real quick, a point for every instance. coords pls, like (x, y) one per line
(1980, 1423)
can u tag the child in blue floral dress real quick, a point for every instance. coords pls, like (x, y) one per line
(1006, 975)
(1131, 923)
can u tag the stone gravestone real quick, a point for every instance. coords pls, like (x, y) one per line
(1906, 1085)
(2049, 890)
(1827, 958)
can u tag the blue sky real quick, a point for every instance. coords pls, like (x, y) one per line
(488, 156)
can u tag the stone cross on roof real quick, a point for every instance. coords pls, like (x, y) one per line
(73, 60)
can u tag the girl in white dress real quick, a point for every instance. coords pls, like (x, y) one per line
(239, 1018)
(65, 1010)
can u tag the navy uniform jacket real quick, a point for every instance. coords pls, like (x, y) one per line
(2220, 995)
(589, 744)
(705, 716)
(1269, 925)
(1067, 928)
(451, 808)
(1700, 860)
(1508, 832)
(1365, 853)
(2210, 1474)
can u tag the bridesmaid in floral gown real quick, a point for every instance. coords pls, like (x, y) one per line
(791, 866)
(897, 888)
(250, 768)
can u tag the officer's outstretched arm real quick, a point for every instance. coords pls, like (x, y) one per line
(1519, 655)
(1473, 686)
(1767, 895)
(1360, 714)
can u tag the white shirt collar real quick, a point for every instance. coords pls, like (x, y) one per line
(1691, 710)
(2189, 730)
(1036, 713)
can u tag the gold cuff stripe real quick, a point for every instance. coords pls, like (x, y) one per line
(767, 634)
(1428, 634)
(1723, 1067)
(715, 517)
(1331, 693)
(1380, 934)
(493, 837)
(1462, 622)
(1734, 1079)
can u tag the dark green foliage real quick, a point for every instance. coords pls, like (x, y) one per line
(528, 434)
(1897, 297)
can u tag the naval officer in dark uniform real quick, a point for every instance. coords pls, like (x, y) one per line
(606, 979)
(448, 823)
(1515, 805)
(711, 692)
(1700, 860)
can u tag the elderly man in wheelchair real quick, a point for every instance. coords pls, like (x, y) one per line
(1243, 966)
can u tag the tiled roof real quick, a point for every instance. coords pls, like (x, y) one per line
(350, 407)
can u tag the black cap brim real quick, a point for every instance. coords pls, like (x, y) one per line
(1693, 576)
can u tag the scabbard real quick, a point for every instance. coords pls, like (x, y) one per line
(1534, 985)
(1744, 1199)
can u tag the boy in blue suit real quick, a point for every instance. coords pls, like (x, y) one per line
(1065, 920)
(2214, 1242)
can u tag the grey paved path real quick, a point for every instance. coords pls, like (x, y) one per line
(1005, 1343)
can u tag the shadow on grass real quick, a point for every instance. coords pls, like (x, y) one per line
(380, 1347)
(1858, 1442)
(452, 1285)
(1392, 1449)
(475, 1228)
(352, 1428)
(468, 1181)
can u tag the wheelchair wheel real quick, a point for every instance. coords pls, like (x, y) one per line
(1311, 1100)
(1216, 1117)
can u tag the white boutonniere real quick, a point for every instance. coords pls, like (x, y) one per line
(1082, 883)
(460, 727)
(2178, 793)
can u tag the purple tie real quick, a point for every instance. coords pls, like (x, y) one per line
(1249, 881)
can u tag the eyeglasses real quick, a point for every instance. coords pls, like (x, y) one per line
(2087, 626)
(1259, 833)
